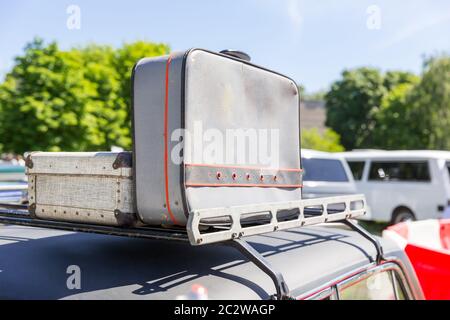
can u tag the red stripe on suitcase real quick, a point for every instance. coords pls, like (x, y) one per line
(166, 146)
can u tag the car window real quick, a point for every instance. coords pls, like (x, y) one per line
(384, 282)
(399, 171)
(448, 168)
(323, 170)
(378, 286)
(357, 168)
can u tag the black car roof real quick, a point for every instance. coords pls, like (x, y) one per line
(34, 263)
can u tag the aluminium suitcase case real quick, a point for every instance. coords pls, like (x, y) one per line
(185, 100)
(87, 187)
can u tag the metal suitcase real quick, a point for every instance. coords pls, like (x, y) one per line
(87, 187)
(182, 100)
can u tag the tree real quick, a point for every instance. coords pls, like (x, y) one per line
(395, 78)
(124, 60)
(355, 101)
(393, 129)
(351, 104)
(43, 100)
(314, 96)
(69, 100)
(431, 103)
(327, 141)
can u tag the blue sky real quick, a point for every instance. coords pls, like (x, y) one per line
(311, 41)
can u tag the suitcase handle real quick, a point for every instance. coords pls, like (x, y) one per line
(236, 54)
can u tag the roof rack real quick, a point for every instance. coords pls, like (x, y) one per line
(18, 215)
(241, 221)
(255, 219)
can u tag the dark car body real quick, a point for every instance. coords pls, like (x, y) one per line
(315, 261)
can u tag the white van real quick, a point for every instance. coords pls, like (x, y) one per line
(402, 185)
(325, 174)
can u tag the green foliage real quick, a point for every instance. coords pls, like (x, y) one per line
(315, 96)
(69, 100)
(431, 104)
(358, 104)
(393, 121)
(394, 78)
(312, 96)
(351, 104)
(327, 141)
(124, 60)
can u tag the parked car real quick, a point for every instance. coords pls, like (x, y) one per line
(325, 174)
(11, 172)
(402, 185)
(13, 185)
(13, 192)
(318, 262)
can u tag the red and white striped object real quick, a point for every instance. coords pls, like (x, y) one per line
(427, 244)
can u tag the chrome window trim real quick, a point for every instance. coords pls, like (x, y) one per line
(330, 289)
(393, 277)
(386, 267)
(323, 294)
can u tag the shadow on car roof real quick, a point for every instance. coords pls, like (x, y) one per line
(34, 262)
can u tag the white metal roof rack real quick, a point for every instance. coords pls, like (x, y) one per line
(279, 216)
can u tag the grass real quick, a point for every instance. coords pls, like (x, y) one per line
(373, 227)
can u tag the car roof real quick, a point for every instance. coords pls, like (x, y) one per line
(419, 154)
(128, 268)
(309, 153)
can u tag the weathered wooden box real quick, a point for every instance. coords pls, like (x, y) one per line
(87, 187)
